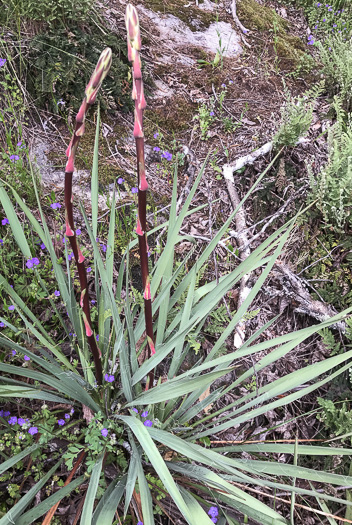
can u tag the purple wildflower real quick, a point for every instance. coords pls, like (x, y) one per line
(104, 432)
(13, 158)
(145, 413)
(13, 352)
(33, 430)
(213, 512)
(67, 416)
(26, 358)
(148, 423)
(11, 307)
(20, 421)
(156, 148)
(57, 293)
(212, 113)
(98, 337)
(61, 422)
(134, 190)
(78, 232)
(2, 324)
(2, 61)
(5, 221)
(89, 269)
(6, 413)
(135, 410)
(120, 180)
(156, 135)
(12, 420)
(43, 246)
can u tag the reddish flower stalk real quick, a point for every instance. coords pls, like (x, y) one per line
(134, 47)
(91, 92)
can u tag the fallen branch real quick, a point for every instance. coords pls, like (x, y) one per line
(252, 157)
(235, 17)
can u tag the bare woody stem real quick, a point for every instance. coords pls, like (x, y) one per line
(134, 47)
(91, 92)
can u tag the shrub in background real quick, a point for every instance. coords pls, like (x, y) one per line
(149, 426)
(333, 185)
(336, 57)
(296, 116)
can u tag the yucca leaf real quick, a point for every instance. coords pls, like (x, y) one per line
(143, 436)
(105, 512)
(43, 507)
(87, 511)
(14, 514)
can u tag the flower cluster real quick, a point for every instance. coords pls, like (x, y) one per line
(32, 262)
(213, 513)
(20, 421)
(109, 378)
(55, 205)
(147, 422)
(61, 422)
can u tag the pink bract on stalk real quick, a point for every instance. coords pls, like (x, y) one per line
(91, 91)
(134, 47)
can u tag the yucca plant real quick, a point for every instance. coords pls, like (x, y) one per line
(115, 392)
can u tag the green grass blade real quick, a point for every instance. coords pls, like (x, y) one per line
(175, 388)
(94, 179)
(14, 514)
(43, 507)
(143, 436)
(11, 462)
(87, 512)
(29, 393)
(105, 512)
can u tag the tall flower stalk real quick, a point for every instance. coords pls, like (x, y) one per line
(134, 48)
(91, 92)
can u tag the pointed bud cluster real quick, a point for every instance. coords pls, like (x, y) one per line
(100, 72)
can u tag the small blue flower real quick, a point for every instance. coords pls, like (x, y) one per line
(78, 232)
(97, 337)
(5, 221)
(145, 413)
(2, 325)
(89, 269)
(6, 413)
(213, 512)
(134, 190)
(13, 352)
(67, 416)
(212, 113)
(13, 158)
(20, 421)
(35, 260)
(11, 307)
(26, 358)
(148, 423)
(104, 432)
(12, 420)
(57, 293)
(156, 148)
(61, 422)
(135, 410)
(2, 61)
(32, 431)
(43, 246)
(156, 135)
(120, 180)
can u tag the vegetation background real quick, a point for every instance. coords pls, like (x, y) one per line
(204, 374)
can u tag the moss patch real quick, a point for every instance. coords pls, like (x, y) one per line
(108, 170)
(196, 19)
(256, 16)
(173, 117)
